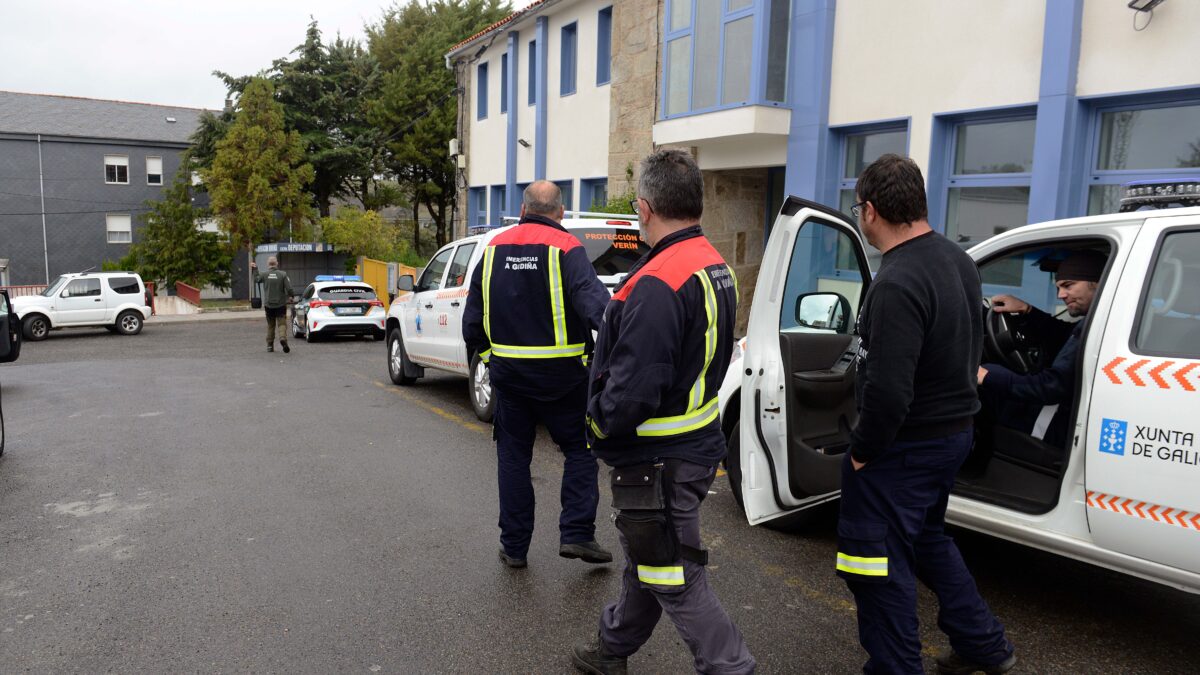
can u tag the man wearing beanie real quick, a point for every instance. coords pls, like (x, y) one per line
(1022, 398)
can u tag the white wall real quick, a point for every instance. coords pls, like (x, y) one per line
(923, 57)
(1114, 58)
(485, 155)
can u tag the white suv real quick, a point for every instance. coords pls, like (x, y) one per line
(424, 328)
(114, 300)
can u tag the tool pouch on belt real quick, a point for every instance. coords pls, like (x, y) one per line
(644, 517)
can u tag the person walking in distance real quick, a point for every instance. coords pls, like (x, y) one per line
(921, 336)
(652, 415)
(533, 303)
(277, 293)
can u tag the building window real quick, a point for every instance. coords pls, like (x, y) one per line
(154, 174)
(859, 149)
(719, 54)
(604, 47)
(1144, 142)
(499, 205)
(119, 227)
(503, 83)
(568, 193)
(481, 91)
(566, 79)
(116, 169)
(593, 193)
(476, 207)
(987, 189)
(532, 94)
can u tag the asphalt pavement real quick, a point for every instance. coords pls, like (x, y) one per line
(182, 500)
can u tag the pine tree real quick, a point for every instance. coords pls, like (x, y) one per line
(171, 246)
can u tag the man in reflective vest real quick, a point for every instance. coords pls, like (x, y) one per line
(533, 303)
(652, 415)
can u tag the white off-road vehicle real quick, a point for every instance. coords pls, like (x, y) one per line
(114, 300)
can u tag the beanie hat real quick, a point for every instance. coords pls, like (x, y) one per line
(1081, 266)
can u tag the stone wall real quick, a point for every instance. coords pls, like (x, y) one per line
(734, 208)
(464, 77)
(634, 103)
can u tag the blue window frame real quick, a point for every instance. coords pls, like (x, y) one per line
(503, 83)
(858, 146)
(568, 193)
(499, 205)
(720, 54)
(531, 80)
(481, 96)
(604, 47)
(1139, 137)
(570, 48)
(476, 206)
(592, 192)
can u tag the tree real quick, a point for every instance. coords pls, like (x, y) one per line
(362, 233)
(258, 174)
(172, 247)
(417, 105)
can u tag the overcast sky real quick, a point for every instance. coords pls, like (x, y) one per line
(160, 52)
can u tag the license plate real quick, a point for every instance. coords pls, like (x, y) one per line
(347, 310)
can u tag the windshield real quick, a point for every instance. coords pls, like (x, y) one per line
(346, 293)
(53, 287)
(612, 250)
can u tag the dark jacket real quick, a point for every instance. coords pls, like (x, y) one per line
(921, 327)
(661, 354)
(533, 303)
(277, 288)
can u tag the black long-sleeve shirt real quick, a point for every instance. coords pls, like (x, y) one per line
(921, 327)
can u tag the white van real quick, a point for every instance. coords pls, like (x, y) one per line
(424, 328)
(1125, 491)
(114, 300)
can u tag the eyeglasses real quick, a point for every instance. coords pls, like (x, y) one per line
(856, 209)
(633, 204)
(633, 207)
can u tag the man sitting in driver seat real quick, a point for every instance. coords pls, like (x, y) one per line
(1021, 401)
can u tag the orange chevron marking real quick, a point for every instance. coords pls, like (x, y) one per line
(1179, 376)
(1138, 508)
(1154, 374)
(1154, 516)
(1131, 371)
(1108, 370)
(1144, 510)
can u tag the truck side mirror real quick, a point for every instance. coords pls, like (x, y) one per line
(404, 283)
(825, 311)
(5, 318)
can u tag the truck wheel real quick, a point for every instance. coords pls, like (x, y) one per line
(733, 464)
(296, 328)
(398, 361)
(129, 322)
(479, 385)
(36, 327)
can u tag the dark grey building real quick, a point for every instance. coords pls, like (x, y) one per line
(75, 174)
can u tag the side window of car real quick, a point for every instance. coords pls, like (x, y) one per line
(458, 269)
(123, 285)
(824, 282)
(80, 288)
(1169, 319)
(431, 279)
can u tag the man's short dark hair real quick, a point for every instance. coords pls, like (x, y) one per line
(672, 183)
(895, 187)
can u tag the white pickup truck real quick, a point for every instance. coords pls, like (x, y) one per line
(1121, 494)
(424, 328)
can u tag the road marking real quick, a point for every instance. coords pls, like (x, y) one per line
(440, 412)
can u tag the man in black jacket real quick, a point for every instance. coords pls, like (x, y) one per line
(1022, 400)
(533, 303)
(921, 334)
(661, 354)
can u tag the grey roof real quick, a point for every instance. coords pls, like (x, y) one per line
(94, 118)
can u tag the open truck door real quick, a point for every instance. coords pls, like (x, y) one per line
(797, 392)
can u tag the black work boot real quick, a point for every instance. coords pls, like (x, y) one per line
(270, 348)
(286, 349)
(594, 658)
(951, 663)
(588, 551)
(515, 563)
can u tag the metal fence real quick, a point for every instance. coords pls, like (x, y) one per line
(18, 291)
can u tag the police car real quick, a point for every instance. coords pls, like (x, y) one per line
(338, 305)
(1120, 493)
(424, 327)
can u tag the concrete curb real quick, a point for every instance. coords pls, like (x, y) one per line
(225, 315)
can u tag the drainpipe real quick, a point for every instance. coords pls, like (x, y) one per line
(42, 190)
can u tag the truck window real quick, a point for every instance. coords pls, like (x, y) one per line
(823, 261)
(346, 293)
(1169, 318)
(458, 268)
(612, 250)
(431, 279)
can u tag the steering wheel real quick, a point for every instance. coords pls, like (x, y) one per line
(1000, 342)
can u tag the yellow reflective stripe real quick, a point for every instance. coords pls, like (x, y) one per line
(485, 355)
(538, 352)
(868, 567)
(596, 429)
(696, 397)
(661, 576)
(585, 360)
(737, 293)
(489, 254)
(680, 424)
(558, 312)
